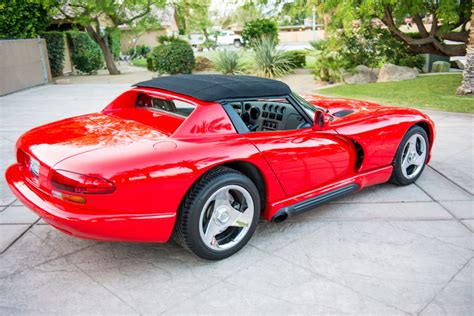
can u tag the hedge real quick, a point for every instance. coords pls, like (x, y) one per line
(113, 38)
(86, 54)
(172, 58)
(257, 29)
(55, 43)
(297, 58)
(23, 18)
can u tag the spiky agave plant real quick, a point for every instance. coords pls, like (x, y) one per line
(229, 62)
(269, 61)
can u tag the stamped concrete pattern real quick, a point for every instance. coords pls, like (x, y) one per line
(386, 250)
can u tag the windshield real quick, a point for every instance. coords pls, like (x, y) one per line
(309, 108)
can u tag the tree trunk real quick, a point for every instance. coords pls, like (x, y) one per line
(467, 86)
(109, 59)
(104, 47)
(326, 20)
(429, 43)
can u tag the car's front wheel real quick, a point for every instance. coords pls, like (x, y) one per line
(219, 214)
(411, 157)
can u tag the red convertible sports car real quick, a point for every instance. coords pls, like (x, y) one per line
(202, 157)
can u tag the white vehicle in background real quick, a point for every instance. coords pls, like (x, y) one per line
(228, 37)
(196, 39)
(220, 38)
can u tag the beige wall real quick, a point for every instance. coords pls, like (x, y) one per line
(148, 38)
(67, 63)
(300, 36)
(23, 64)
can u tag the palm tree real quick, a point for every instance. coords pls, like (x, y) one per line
(467, 86)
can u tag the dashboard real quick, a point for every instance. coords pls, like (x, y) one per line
(268, 116)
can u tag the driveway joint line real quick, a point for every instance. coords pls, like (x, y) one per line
(107, 289)
(18, 237)
(445, 208)
(318, 274)
(444, 286)
(46, 261)
(8, 205)
(450, 180)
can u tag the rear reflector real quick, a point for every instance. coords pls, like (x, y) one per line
(79, 183)
(69, 197)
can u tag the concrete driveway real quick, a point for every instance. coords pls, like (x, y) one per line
(386, 250)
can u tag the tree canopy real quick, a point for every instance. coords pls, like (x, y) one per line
(94, 16)
(22, 18)
(448, 19)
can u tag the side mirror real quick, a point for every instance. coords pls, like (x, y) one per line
(321, 121)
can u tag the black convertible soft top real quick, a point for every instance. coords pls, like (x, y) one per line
(218, 87)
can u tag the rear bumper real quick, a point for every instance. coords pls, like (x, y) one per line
(88, 224)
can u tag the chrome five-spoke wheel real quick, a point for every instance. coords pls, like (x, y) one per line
(219, 214)
(226, 217)
(414, 156)
(411, 156)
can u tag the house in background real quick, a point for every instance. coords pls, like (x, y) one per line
(168, 26)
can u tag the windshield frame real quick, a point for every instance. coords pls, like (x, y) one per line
(309, 108)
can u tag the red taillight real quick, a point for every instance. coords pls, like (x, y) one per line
(79, 183)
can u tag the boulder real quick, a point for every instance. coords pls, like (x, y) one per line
(440, 66)
(390, 72)
(62, 81)
(361, 74)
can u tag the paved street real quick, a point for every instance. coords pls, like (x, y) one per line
(386, 250)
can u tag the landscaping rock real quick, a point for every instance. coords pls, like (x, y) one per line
(361, 74)
(390, 72)
(441, 66)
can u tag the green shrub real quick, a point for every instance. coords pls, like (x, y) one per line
(139, 51)
(86, 54)
(165, 39)
(202, 63)
(172, 57)
(113, 38)
(55, 44)
(229, 62)
(369, 46)
(373, 47)
(208, 44)
(23, 18)
(258, 29)
(327, 60)
(297, 58)
(269, 61)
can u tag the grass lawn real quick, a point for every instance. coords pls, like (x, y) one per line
(139, 62)
(429, 92)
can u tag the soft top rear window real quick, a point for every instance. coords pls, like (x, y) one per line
(177, 107)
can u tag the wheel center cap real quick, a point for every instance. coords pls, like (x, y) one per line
(223, 215)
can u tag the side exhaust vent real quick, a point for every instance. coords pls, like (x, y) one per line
(309, 204)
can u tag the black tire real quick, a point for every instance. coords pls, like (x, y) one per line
(186, 231)
(237, 43)
(398, 177)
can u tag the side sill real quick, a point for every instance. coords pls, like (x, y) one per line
(311, 203)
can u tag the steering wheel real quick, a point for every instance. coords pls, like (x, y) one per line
(253, 127)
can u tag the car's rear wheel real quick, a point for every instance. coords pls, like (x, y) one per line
(411, 157)
(218, 215)
(237, 43)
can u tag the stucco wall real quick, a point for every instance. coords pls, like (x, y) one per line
(147, 38)
(23, 64)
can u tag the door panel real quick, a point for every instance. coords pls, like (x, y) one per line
(303, 159)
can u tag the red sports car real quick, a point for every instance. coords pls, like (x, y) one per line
(202, 157)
